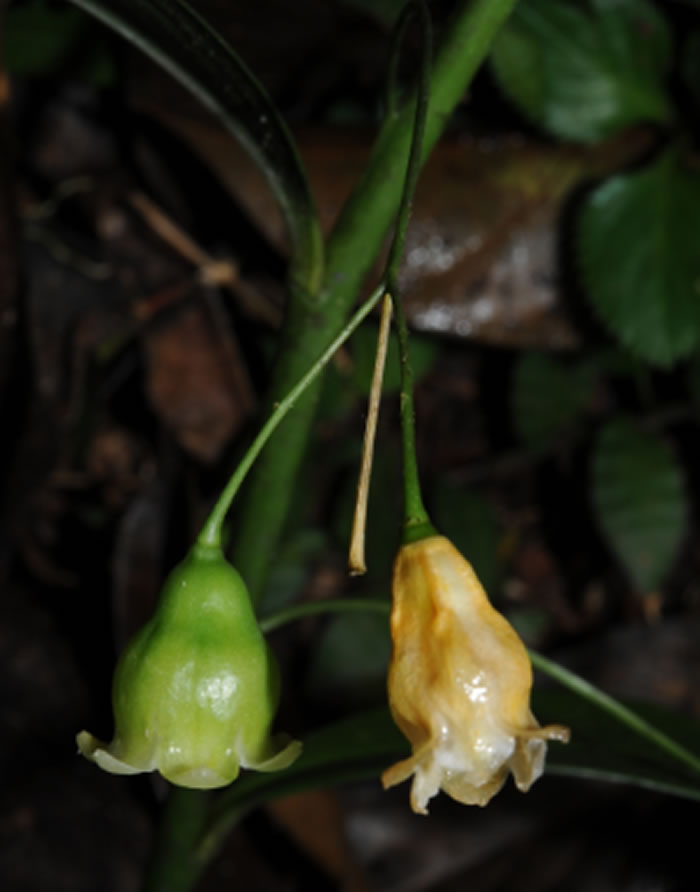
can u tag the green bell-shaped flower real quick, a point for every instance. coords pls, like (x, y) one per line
(197, 688)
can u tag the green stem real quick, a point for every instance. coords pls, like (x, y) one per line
(210, 535)
(315, 608)
(420, 116)
(417, 524)
(182, 822)
(614, 708)
(350, 253)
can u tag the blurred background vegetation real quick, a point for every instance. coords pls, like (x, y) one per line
(552, 279)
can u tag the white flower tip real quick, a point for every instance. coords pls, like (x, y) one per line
(282, 759)
(96, 751)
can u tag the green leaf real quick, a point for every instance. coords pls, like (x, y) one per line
(362, 746)
(353, 749)
(470, 522)
(350, 661)
(693, 380)
(585, 74)
(423, 352)
(175, 37)
(290, 568)
(639, 258)
(601, 748)
(690, 64)
(640, 500)
(549, 396)
(39, 37)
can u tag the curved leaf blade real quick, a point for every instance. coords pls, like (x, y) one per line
(362, 746)
(640, 500)
(639, 258)
(585, 75)
(549, 396)
(174, 36)
(603, 749)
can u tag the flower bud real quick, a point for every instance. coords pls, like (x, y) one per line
(196, 690)
(459, 683)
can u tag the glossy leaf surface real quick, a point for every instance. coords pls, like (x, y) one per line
(639, 497)
(639, 258)
(585, 73)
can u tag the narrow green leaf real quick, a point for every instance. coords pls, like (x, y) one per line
(362, 746)
(175, 36)
(639, 258)
(549, 396)
(603, 749)
(585, 74)
(640, 500)
(353, 749)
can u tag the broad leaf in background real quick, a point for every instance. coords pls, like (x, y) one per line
(39, 37)
(639, 259)
(470, 522)
(350, 661)
(549, 396)
(690, 65)
(422, 349)
(290, 570)
(584, 74)
(640, 500)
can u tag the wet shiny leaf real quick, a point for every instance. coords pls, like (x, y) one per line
(584, 74)
(640, 499)
(639, 258)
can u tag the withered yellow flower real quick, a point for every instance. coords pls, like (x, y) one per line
(459, 683)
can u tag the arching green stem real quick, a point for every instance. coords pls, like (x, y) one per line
(617, 710)
(210, 534)
(416, 523)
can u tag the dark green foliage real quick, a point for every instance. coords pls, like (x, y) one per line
(423, 351)
(640, 499)
(350, 659)
(602, 748)
(691, 65)
(361, 746)
(38, 37)
(549, 397)
(584, 74)
(470, 522)
(639, 258)
(42, 38)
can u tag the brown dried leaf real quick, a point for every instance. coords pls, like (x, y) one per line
(191, 381)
